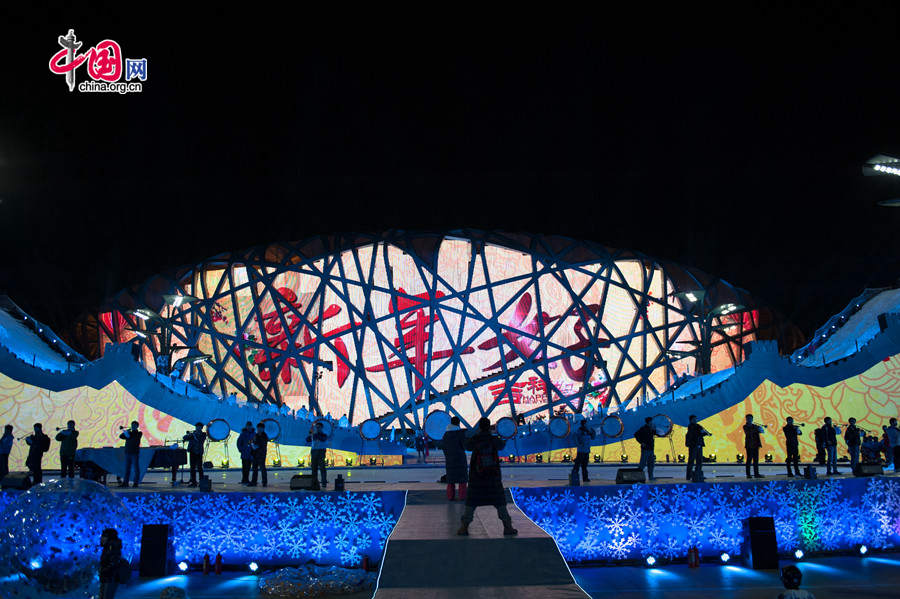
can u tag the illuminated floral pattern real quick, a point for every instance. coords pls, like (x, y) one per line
(615, 523)
(272, 529)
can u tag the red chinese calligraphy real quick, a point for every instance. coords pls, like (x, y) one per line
(105, 61)
(415, 326)
(515, 336)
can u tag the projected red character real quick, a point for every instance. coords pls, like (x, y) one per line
(534, 386)
(416, 326)
(278, 338)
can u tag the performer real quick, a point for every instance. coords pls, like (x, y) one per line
(583, 437)
(792, 444)
(6, 443)
(195, 440)
(132, 452)
(259, 447)
(752, 444)
(819, 436)
(871, 450)
(68, 444)
(892, 433)
(646, 436)
(694, 442)
(486, 480)
(38, 444)
(829, 440)
(852, 439)
(317, 454)
(457, 471)
(245, 439)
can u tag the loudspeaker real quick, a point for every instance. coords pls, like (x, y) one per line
(207, 465)
(157, 552)
(304, 481)
(205, 483)
(627, 476)
(16, 480)
(809, 472)
(868, 470)
(760, 545)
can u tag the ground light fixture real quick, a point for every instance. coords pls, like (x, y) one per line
(253, 566)
(183, 566)
(651, 561)
(724, 557)
(799, 554)
(862, 549)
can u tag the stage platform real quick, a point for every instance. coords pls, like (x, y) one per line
(423, 477)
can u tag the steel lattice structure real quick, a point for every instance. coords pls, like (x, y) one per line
(394, 326)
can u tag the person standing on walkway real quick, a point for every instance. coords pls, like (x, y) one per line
(485, 478)
(752, 445)
(6, 443)
(646, 436)
(68, 445)
(318, 440)
(38, 445)
(132, 452)
(819, 436)
(792, 444)
(829, 440)
(852, 439)
(420, 447)
(454, 445)
(243, 446)
(583, 438)
(259, 446)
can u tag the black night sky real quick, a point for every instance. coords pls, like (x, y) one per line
(728, 141)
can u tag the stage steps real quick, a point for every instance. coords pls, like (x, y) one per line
(426, 559)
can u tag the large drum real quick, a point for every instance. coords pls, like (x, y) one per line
(327, 426)
(506, 427)
(662, 425)
(272, 428)
(612, 426)
(559, 427)
(436, 424)
(370, 429)
(218, 430)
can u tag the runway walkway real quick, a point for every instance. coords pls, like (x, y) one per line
(426, 559)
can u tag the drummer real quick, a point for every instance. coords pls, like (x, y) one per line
(317, 452)
(646, 436)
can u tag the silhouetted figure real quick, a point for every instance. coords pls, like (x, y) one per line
(485, 479)
(110, 559)
(318, 444)
(829, 440)
(583, 438)
(245, 439)
(852, 439)
(6, 443)
(38, 444)
(68, 445)
(752, 444)
(892, 434)
(132, 452)
(693, 439)
(792, 444)
(791, 577)
(454, 445)
(195, 440)
(646, 436)
(819, 436)
(259, 446)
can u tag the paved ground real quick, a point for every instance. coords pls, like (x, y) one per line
(426, 476)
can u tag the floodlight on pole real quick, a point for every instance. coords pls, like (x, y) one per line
(178, 300)
(693, 296)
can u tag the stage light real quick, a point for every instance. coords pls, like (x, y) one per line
(567, 458)
(724, 557)
(253, 566)
(596, 458)
(183, 566)
(373, 462)
(769, 458)
(799, 554)
(301, 462)
(739, 458)
(224, 463)
(35, 564)
(348, 462)
(863, 550)
(651, 561)
(624, 458)
(681, 458)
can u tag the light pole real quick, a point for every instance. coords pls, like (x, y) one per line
(704, 318)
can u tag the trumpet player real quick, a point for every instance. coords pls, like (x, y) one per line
(195, 440)
(852, 438)
(132, 438)
(6, 443)
(752, 444)
(829, 440)
(792, 444)
(68, 445)
(693, 439)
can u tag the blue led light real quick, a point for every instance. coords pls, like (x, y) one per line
(254, 566)
(799, 554)
(651, 561)
(183, 566)
(724, 557)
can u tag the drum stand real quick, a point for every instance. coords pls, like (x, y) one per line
(178, 483)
